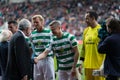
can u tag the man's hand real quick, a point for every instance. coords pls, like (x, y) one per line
(36, 60)
(73, 72)
(80, 69)
(25, 77)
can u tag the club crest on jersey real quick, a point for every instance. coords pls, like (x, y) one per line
(61, 50)
(39, 42)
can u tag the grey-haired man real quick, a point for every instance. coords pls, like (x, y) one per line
(19, 60)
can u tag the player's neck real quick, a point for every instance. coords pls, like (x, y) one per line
(94, 24)
(59, 34)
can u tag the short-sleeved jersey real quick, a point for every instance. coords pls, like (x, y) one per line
(89, 51)
(41, 40)
(63, 49)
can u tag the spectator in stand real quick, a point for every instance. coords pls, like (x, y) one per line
(62, 10)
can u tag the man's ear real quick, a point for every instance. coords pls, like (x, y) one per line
(43, 23)
(93, 18)
(27, 30)
(60, 27)
(109, 30)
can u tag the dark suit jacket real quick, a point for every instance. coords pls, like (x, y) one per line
(19, 61)
(3, 56)
(111, 47)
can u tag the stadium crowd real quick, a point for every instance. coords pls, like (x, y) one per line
(57, 17)
(70, 12)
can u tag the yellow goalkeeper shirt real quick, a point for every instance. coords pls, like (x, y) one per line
(89, 50)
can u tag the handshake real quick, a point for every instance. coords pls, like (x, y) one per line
(35, 60)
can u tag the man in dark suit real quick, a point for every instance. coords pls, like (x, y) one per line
(19, 59)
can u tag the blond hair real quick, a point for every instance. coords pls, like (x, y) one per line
(38, 16)
(5, 35)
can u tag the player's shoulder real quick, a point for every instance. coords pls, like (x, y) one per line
(47, 30)
(34, 31)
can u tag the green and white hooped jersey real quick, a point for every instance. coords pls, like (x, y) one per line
(41, 40)
(63, 49)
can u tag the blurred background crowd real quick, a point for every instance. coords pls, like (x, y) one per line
(70, 12)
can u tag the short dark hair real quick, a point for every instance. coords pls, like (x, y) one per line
(13, 22)
(55, 23)
(114, 25)
(93, 14)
